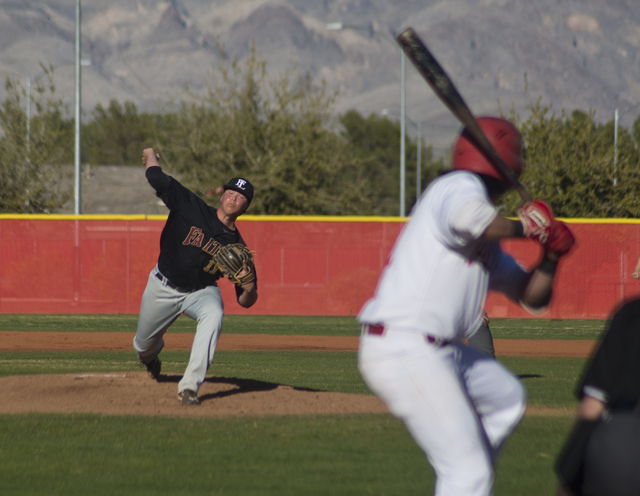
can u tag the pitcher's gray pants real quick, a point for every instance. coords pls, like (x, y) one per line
(161, 306)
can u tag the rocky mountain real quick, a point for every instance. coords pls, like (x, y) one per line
(575, 54)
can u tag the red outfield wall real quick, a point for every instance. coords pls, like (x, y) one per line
(306, 265)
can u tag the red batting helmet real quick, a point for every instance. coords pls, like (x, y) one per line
(503, 136)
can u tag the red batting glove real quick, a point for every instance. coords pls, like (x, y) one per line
(560, 239)
(536, 218)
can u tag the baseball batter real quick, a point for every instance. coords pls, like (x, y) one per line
(184, 280)
(458, 404)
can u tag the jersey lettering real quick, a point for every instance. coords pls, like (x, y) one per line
(211, 247)
(195, 237)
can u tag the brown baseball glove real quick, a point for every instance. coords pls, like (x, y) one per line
(230, 258)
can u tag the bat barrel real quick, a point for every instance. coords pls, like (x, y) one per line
(443, 86)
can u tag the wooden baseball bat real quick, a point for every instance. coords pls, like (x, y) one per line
(442, 85)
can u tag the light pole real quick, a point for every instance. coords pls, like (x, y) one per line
(338, 26)
(418, 127)
(77, 180)
(615, 138)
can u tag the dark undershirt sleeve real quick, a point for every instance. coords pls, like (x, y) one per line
(157, 179)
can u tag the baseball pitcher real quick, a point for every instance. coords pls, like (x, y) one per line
(198, 245)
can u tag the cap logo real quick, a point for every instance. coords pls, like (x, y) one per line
(240, 183)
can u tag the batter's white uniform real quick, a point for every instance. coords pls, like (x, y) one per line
(458, 405)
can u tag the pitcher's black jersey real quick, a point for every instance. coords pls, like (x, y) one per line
(190, 236)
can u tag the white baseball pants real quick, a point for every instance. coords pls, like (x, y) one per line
(458, 404)
(161, 306)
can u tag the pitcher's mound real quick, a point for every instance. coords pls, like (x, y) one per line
(135, 393)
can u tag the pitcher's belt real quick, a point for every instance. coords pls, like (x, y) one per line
(378, 330)
(167, 282)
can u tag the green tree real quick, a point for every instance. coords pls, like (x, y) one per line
(35, 155)
(277, 133)
(117, 135)
(570, 164)
(635, 131)
(376, 141)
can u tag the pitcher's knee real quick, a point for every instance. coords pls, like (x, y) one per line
(147, 346)
(213, 318)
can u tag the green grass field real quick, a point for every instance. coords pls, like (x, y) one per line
(53, 454)
(311, 326)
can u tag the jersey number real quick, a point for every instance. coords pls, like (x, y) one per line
(211, 267)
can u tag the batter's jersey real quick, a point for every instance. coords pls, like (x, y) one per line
(190, 236)
(439, 271)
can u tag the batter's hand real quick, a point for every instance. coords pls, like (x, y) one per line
(150, 158)
(636, 274)
(536, 218)
(560, 240)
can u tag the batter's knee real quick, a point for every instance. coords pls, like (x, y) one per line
(473, 477)
(518, 399)
(511, 410)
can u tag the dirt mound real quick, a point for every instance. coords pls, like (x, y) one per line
(135, 393)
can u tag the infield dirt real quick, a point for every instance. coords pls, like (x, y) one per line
(134, 393)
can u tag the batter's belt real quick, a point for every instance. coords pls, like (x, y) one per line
(379, 330)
